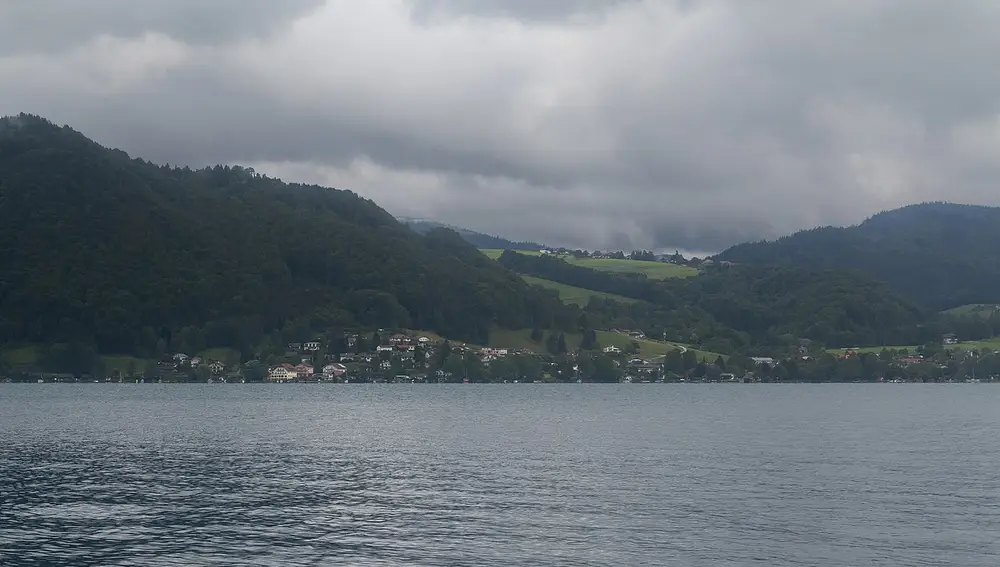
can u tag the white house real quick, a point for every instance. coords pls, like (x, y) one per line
(311, 346)
(612, 350)
(331, 370)
(762, 360)
(283, 373)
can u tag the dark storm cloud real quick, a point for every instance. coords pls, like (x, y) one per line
(628, 123)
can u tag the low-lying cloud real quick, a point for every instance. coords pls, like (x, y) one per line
(654, 124)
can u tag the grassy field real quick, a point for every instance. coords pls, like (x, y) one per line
(226, 356)
(24, 357)
(20, 356)
(521, 339)
(873, 349)
(654, 270)
(124, 364)
(992, 344)
(575, 295)
(983, 310)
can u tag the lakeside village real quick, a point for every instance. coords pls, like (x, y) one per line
(407, 357)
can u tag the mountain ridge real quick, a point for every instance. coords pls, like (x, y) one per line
(939, 254)
(123, 253)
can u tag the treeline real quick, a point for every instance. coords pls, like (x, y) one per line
(477, 239)
(128, 256)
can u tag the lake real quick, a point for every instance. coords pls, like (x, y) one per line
(530, 474)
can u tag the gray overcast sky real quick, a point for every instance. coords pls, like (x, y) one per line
(597, 123)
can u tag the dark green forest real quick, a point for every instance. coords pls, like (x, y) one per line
(125, 255)
(734, 309)
(940, 255)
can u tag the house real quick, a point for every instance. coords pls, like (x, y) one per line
(283, 373)
(762, 360)
(295, 346)
(303, 370)
(331, 370)
(311, 346)
(493, 352)
(181, 358)
(384, 348)
(423, 340)
(195, 361)
(399, 339)
(217, 367)
(950, 339)
(352, 341)
(612, 350)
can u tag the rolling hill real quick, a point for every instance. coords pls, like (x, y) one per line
(135, 258)
(477, 239)
(940, 255)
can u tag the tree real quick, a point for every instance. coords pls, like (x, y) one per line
(589, 341)
(441, 355)
(561, 344)
(254, 371)
(605, 369)
(689, 359)
(536, 334)
(529, 368)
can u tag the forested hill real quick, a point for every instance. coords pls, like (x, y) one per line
(477, 239)
(939, 254)
(731, 309)
(123, 253)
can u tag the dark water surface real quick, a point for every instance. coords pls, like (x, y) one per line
(499, 475)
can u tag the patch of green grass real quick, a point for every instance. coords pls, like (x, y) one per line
(417, 333)
(991, 344)
(983, 310)
(572, 295)
(872, 349)
(227, 356)
(653, 270)
(521, 339)
(21, 356)
(124, 364)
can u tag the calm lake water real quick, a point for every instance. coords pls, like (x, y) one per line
(527, 474)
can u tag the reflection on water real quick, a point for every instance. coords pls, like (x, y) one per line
(515, 475)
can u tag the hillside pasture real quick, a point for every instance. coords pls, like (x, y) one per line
(652, 270)
(572, 295)
(983, 310)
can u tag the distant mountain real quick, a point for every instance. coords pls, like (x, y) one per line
(477, 239)
(941, 255)
(102, 249)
